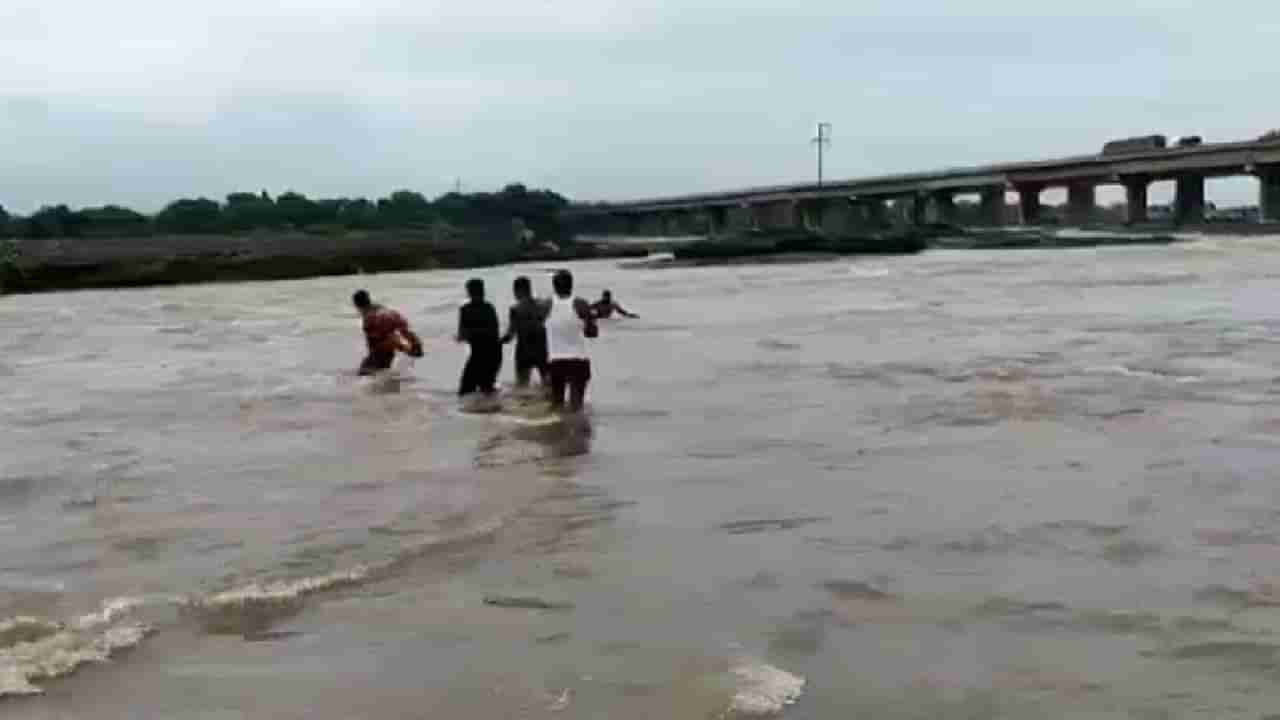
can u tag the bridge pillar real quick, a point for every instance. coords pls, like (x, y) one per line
(944, 207)
(918, 209)
(715, 219)
(739, 218)
(776, 215)
(1135, 191)
(686, 222)
(992, 208)
(875, 212)
(1189, 199)
(1029, 203)
(841, 217)
(1269, 193)
(1081, 199)
(812, 213)
(668, 221)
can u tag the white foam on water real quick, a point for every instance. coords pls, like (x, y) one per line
(868, 272)
(25, 628)
(1145, 374)
(112, 610)
(282, 591)
(763, 690)
(36, 649)
(259, 605)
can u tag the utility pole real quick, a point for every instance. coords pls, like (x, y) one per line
(822, 139)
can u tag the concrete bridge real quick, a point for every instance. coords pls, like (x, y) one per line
(845, 205)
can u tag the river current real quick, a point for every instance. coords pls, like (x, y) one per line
(1024, 484)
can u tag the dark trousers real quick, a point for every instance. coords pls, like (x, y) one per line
(481, 370)
(377, 361)
(572, 374)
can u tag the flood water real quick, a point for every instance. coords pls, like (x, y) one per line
(1029, 484)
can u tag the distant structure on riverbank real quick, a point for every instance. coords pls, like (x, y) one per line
(844, 206)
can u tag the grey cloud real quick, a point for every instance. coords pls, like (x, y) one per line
(600, 99)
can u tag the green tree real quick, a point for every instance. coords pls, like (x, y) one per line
(199, 215)
(359, 214)
(53, 221)
(297, 210)
(329, 210)
(113, 220)
(403, 208)
(250, 211)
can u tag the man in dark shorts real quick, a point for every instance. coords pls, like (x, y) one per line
(385, 332)
(605, 307)
(525, 326)
(570, 321)
(478, 327)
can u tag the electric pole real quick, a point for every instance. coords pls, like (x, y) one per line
(822, 139)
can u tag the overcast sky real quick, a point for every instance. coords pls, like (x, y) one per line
(137, 102)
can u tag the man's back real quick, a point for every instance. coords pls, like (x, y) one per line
(478, 323)
(527, 319)
(380, 328)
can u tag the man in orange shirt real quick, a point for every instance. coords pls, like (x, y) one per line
(385, 332)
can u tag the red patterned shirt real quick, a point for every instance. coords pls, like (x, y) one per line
(382, 328)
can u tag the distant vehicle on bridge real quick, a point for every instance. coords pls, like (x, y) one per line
(1190, 141)
(1135, 144)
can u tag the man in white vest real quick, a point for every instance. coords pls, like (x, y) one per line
(569, 323)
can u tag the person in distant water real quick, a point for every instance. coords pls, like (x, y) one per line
(570, 321)
(478, 327)
(385, 332)
(525, 326)
(605, 307)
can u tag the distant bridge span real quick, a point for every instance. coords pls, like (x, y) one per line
(931, 194)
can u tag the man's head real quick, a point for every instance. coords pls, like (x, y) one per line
(522, 288)
(475, 289)
(606, 296)
(562, 281)
(362, 301)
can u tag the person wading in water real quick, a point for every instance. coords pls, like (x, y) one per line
(605, 307)
(570, 321)
(385, 332)
(525, 326)
(478, 327)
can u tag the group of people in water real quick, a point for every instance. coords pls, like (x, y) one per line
(550, 336)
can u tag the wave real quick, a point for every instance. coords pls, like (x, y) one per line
(868, 272)
(255, 607)
(762, 690)
(35, 650)
(1146, 374)
(38, 649)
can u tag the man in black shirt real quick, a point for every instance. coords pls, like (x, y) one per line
(525, 326)
(478, 327)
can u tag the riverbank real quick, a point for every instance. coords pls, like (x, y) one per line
(38, 265)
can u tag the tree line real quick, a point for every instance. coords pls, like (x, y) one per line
(245, 212)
